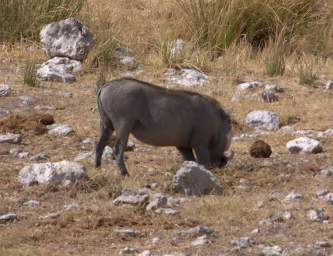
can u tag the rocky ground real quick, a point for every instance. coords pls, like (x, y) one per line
(278, 205)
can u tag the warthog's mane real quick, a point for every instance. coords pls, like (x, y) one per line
(174, 91)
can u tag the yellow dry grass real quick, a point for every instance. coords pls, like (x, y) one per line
(89, 229)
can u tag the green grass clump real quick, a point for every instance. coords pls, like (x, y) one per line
(103, 53)
(30, 76)
(306, 73)
(217, 24)
(24, 18)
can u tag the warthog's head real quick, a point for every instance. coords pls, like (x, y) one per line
(219, 153)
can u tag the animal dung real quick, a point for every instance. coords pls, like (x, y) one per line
(260, 149)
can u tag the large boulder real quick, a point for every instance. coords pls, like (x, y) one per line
(263, 120)
(194, 179)
(59, 69)
(64, 172)
(304, 145)
(66, 38)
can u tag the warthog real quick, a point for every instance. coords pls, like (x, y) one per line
(162, 117)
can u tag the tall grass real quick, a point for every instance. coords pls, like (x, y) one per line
(218, 24)
(24, 18)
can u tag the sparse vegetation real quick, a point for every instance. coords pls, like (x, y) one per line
(275, 42)
(218, 24)
(30, 77)
(24, 19)
(275, 58)
(103, 54)
(307, 74)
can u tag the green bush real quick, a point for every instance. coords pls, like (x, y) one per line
(217, 24)
(25, 18)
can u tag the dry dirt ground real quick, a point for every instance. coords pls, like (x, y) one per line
(89, 230)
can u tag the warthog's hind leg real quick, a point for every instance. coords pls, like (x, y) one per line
(105, 134)
(120, 146)
(186, 153)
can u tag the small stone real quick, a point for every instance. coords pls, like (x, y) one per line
(87, 144)
(128, 251)
(244, 184)
(263, 120)
(198, 230)
(187, 77)
(201, 240)
(27, 100)
(255, 231)
(242, 242)
(71, 206)
(132, 197)
(329, 85)
(44, 108)
(326, 173)
(304, 145)
(166, 211)
(317, 215)
(146, 253)
(60, 129)
(84, 156)
(10, 138)
(272, 250)
(266, 222)
(322, 244)
(269, 96)
(260, 149)
(32, 203)
(39, 157)
(287, 216)
(52, 215)
(158, 201)
(127, 232)
(249, 85)
(329, 198)
(4, 112)
(5, 90)
(274, 88)
(293, 197)
(260, 205)
(174, 202)
(9, 217)
(156, 240)
(322, 192)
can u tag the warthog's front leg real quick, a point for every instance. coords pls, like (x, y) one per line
(203, 157)
(186, 153)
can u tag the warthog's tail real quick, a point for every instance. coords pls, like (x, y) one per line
(105, 120)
